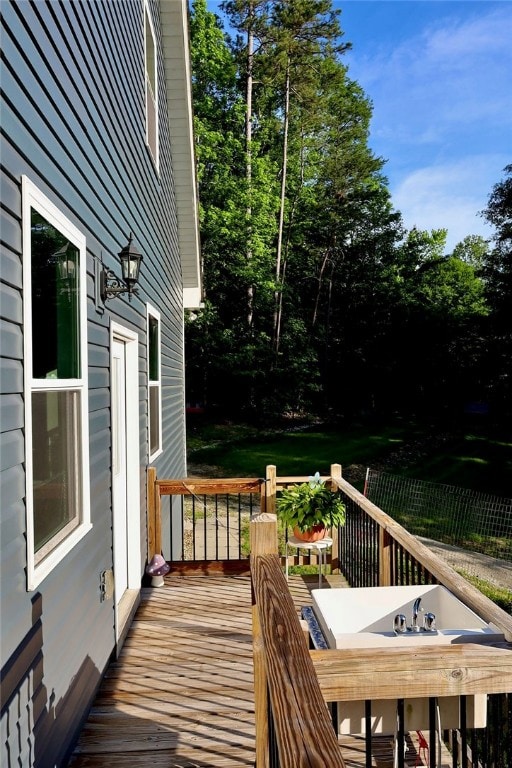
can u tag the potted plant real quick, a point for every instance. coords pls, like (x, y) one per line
(310, 508)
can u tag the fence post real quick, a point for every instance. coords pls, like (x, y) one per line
(335, 563)
(263, 541)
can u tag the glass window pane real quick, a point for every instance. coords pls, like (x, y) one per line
(154, 418)
(56, 456)
(55, 263)
(150, 57)
(154, 352)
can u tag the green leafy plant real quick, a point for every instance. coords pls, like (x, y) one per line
(310, 504)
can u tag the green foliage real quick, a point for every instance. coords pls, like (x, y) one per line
(317, 299)
(497, 273)
(309, 504)
(474, 250)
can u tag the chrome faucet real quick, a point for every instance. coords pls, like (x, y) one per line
(429, 621)
(415, 611)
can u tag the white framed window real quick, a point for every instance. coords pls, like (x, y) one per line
(151, 74)
(154, 382)
(56, 402)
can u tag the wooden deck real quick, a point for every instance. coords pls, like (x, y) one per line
(181, 692)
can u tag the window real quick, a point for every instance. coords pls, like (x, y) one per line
(151, 87)
(154, 384)
(56, 417)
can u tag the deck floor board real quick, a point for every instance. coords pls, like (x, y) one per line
(180, 695)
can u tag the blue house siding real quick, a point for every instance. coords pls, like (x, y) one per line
(73, 122)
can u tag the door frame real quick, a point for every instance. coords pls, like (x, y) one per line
(125, 605)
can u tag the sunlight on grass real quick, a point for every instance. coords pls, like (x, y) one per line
(469, 460)
(296, 453)
(499, 595)
(488, 441)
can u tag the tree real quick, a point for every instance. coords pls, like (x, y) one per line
(441, 310)
(497, 272)
(222, 342)
(474, 249)
(316, 298)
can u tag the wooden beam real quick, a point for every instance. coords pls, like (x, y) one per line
(385, 554)
(263, 527)
(436, 670)
(303, 727)
(335, 565)
(210, 567)
(263, 540)
(189, 486)
(158, 523)
(261, 714)
(297, 479)
(151, 501)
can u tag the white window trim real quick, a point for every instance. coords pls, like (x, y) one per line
(152, 312)
(32, 197)
(156, 156)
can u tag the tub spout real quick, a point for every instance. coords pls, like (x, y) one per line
(415, 610)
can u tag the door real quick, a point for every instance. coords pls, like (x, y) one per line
(119, 470)
(128, 510)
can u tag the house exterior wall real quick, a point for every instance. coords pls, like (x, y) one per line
(73, 123)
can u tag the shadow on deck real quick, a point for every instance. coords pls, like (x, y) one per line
(181, 691)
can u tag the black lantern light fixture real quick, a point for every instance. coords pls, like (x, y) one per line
(66, 260)
(111, 285)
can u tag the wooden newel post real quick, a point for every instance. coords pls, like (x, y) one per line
(335, 563)
(263, 529)
(263, 540)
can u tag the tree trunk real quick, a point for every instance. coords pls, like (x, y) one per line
(277, 320)
(248, 150)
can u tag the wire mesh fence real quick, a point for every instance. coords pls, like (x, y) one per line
(478, 525)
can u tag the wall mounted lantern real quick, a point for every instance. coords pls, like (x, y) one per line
(66, 259)
(111, 285)
(66, 262)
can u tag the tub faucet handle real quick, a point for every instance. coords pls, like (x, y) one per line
(429, 622)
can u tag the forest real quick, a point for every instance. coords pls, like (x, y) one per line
(317, 300)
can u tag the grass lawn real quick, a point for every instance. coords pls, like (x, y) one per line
(246, 453)
(467, 458)
(470, 460)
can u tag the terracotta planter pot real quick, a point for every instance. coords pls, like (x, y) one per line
(316, 533)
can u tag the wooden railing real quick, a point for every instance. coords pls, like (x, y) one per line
(293, 685)
(293, 725)
(388, 555)
(215, 497)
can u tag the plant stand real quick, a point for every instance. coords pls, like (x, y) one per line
(321, 545)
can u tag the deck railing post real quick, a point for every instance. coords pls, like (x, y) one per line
(270, 490)
(151, 511)
(335, 563)
(385, 553)
(263, 541)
